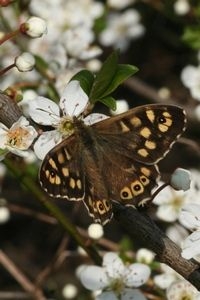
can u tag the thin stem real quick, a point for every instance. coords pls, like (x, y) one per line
(6, 69)
(20, 277)
(9, 36)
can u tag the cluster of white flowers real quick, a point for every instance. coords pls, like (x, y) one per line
(114, 280)
(190, 77)
(69, 45)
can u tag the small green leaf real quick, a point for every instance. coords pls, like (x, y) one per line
(104, 77)
(109, 102)
(86, 79)
(191, 37)
(122, 73)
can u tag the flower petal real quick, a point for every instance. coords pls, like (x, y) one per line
(46, 142)
(106, 296)
(94, 118)
(167, 213)
(3, 136)
(190, 216)
(191, 245)
(74, 100)
(136, 274)
(93, 277)
(113, 264)
(181, 289)
(163, 281)
(44, 111)
(132, 294)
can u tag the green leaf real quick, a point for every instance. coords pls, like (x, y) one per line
(86, 79)
(122, 73)
(104, 77)
(191, 37)
(109, 102)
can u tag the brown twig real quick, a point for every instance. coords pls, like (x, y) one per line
(142, 229)
(20, 277)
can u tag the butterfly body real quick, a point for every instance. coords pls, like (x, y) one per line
(112, 160)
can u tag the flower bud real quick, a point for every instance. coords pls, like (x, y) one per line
(35, 27)
(180, 179)
(25, 62)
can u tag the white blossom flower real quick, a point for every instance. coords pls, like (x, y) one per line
(191, 246)
(25, 62)
(181, 7)
(170, 202)
(182, 289)
(190, 77)
(166, 278)
(177, 233)
(190, 218)
(46, 112)
(34, 27)
(18, 138)
(115, 279)
(121, 28)
(77, 42)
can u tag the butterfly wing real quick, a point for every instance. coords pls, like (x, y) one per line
(145, 133)
(61, 175)
(113, 160)
(69, 172)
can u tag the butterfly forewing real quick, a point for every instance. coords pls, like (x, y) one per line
(148, 132)
(113, 160)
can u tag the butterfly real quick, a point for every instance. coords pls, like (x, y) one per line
(112, 160)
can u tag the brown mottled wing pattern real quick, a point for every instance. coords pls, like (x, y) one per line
(114, 159)
(61, 174)
(147, 133)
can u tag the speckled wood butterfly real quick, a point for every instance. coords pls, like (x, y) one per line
(112, 160)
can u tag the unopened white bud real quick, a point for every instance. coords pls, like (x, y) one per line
(35, 27)
(25, 62)
(180, 179)
(95, 231)
(181, 7)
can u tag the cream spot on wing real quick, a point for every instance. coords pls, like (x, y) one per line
(135, 121)
(145, 171)
(124, 127)
(163, 127)
(65, 171)
(137, 188)
(53, 164)
(143, 152)
(72, 183)
(145, 132)
(79, 184)
(150, 144)
(61, 158)
(150, 115)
